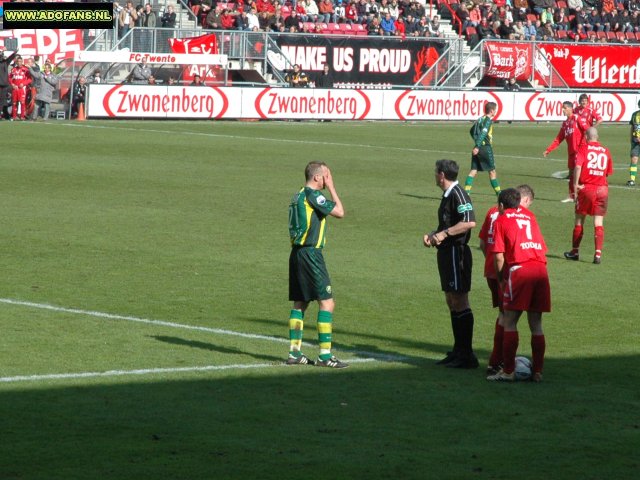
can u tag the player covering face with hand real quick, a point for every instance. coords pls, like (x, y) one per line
(308, 277)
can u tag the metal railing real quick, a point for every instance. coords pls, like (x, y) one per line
(464, 73)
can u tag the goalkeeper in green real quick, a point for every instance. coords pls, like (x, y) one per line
(482, 153)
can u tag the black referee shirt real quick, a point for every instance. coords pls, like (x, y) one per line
(455, 207)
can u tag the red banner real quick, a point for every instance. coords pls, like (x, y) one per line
(595, 66)
(506, 60)
(202, 44)
(56, 45)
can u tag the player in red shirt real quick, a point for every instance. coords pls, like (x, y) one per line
(571, 131)
(593, 193)
(486, 245)
(19, 79)
(590, 116)
(486, 241)
(521, 263)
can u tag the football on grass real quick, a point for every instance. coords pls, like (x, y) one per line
(523, 368)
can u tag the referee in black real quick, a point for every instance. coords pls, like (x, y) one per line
(456, 218)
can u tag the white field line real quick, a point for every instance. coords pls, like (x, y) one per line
(162, 323)
(305, 142)
(218, 331)
(563, 173)
(152, 371)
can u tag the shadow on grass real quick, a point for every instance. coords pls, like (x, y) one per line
(370, 350)
(420, 197)
(370, 421)
(211, 347)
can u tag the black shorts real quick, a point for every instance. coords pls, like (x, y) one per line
(483, 161)
(455, 265)
(308, 276)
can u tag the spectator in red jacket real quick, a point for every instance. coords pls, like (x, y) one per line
(265, 6)
(227, 20)
(400, 28)
(351, 12)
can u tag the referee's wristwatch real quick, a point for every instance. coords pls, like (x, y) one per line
(446, 232)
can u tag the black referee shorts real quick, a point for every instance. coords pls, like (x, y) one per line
(455, 265)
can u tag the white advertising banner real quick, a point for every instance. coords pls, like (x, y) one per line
(543, 106)
(124, 56)
(145, 101)
(310, 103)
(209, 102)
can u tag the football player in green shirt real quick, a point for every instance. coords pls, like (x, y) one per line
(482, 153)
(308, 276)
(635, 147)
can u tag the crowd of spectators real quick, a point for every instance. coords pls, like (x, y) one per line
(599, 21)
(371, 17)
(574, 20)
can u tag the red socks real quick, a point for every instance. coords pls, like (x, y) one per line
(577, 237)
(537, 352)
(599, 239)
(496, 354)
(509, 349)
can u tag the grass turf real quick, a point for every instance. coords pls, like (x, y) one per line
(185, 222)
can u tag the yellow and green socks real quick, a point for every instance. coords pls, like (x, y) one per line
(468, 183)
(324, 334)
(633, 171)
(295, 332)
(495, 184)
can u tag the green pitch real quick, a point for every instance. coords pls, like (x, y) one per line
(143, 310)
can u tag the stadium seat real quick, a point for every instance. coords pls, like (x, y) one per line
(631, 37)
(561, 34)
(470, 32)
(561, 4)
(327, 27)
(359, 29)
(345, 28)
(611, 35)
(638, 36)
(620, 36)
(601, 35)
(532, 16)
(335, 28)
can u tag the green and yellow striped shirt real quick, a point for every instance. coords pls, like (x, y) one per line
(308, 218)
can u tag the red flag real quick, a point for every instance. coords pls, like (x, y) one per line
(204, 44)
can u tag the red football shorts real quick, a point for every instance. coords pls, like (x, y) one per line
(593, 200)
(18, 95)
(496, 292)
(527, 288)
(572, 157)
